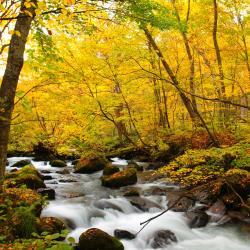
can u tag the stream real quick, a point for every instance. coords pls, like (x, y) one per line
(83, 203)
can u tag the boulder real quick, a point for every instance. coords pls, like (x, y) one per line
(123, 234)
(217, 211)
(110, 169)
(162, 238)
(90, 165)
(49, 192)
(96, 239)
(143, 203)
(120, 179)
(28, 176)
(197, 218)
(21, 163)
(58, 163)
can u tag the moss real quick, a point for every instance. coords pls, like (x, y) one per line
(122, 178)
(58, 163)
(28, 176)
(90, 165)
(96, 239)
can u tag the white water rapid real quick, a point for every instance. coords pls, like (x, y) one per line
(83, 203)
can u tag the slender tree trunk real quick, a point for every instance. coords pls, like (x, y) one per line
(11, 76)
(188, 51)
(192, 111)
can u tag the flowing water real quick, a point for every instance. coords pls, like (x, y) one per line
(83, 203)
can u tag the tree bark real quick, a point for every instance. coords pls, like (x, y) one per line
(11, 76)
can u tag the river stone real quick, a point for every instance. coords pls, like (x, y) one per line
(58, 163)
(90, 165)
(162, 238)
(197, 218)
(96, 239)
(217, 211)
(182, 205)
(123, 234)
(105, 204)
(21, 163)
(47, 177)
(120, 179)
(131, 192)
(46, 171)
(49, 192)
(143, 203)
(64, 171)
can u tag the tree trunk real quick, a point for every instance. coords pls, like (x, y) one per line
(11, 76)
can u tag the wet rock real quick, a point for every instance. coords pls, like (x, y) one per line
(47, 177)
(110, 169)
(46, 172)
(183, 205)
(104, 204)
(49, 192)
(131, 192)
(21, 164)
(120, 179)
(67, 180)
(149, 176)
(162, 238)
(217, 211)
(123, 234)
(231, 200)
(143, 203)
(237, 216)
(94, 239)
(197, 218)
(158, 191)
(90, 165)
(51, 225)
(58, 163)
(64, 171)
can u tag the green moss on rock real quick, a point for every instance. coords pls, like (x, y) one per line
(110, 169)
(120, 179)
(96, 239)
(58, 163)
(90, 165)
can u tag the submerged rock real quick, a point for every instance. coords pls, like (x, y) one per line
(96, 239)
(135, 166)
(21, 163)
(162, 238)
(90, 165)
(143, 203)
(123, 234)
(120, 179)
(58, 163)
(197, 218)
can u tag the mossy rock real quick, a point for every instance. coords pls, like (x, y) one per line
(58, 163)
(96, 239)
(110, 169)
(28, 176)
(51, 225)
(120, 179)
(21, 164)
(90, 165)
